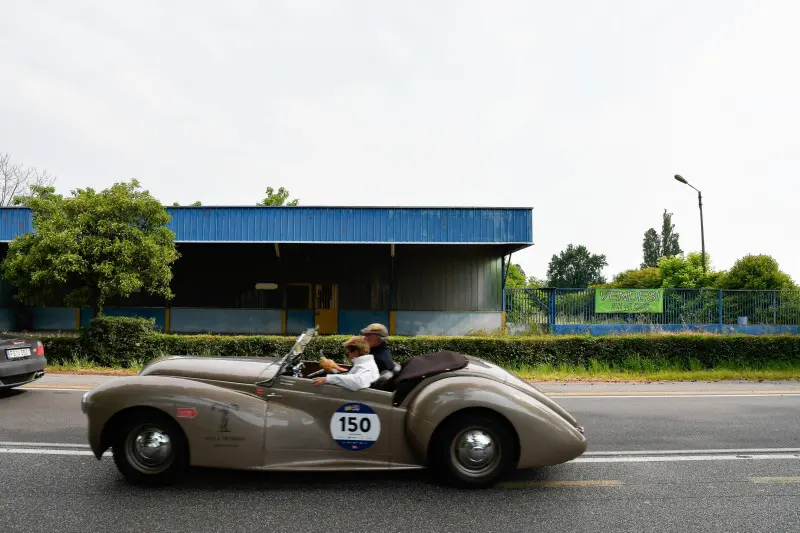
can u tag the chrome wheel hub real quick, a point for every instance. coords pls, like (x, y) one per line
(149, 449)
(474, 452)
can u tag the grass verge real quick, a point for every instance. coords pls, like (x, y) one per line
(631, 370)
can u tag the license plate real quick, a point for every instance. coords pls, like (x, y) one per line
(18, 353)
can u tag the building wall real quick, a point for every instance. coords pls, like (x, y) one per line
(445, 290)
(448, 279)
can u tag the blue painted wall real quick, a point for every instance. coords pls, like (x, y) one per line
(255, 321)
(297, 321)
(620, 329)
(445, 323)
(159, 313)
(352, 322)
(53, 318)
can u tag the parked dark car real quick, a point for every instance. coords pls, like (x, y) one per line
(21, 361)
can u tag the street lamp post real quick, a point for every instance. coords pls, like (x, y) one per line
(700, 203)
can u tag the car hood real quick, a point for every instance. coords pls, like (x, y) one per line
(230, 369)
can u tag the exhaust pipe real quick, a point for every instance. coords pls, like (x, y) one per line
(38, 374)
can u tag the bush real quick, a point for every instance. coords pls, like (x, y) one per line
(117, 340)
(120, 341)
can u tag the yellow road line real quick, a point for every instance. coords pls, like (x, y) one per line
(794, 479)
(586, 483)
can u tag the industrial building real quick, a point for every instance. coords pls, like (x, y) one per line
(279, 270)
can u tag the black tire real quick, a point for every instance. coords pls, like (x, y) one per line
(444, 456)
(170, 463)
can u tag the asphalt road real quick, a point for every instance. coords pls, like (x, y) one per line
(658, 480)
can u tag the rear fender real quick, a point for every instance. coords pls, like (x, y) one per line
(223, 427)
(544, 437)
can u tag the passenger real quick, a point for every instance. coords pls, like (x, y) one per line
(376, 335)
(363, 372)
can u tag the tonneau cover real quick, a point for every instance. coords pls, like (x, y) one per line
(425, 365)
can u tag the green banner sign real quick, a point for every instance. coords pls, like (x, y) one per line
(629, 300)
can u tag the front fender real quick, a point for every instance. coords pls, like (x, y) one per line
(545, 437)
(224, 427)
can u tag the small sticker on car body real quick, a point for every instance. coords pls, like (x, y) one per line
(186, 412)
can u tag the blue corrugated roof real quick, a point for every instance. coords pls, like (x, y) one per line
(304, 224)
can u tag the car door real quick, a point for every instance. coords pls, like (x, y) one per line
(327, 426)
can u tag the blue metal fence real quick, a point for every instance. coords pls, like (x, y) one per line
(708, 309)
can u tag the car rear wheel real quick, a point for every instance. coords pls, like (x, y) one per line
(472, 450)
(150, 449)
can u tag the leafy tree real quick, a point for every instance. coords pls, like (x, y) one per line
(516, 279)
(277, 199)
(686, 272)
(757, 272)
(93, 245)
(669, 239)
(651, 249)
(575, 267)
(646, 278)
(193, 204)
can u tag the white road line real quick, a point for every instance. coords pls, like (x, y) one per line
(737, 451)
(677, 458)
(43, 451)
(44, 444)
(629, 456)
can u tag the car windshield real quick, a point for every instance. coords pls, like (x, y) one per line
(295, 351)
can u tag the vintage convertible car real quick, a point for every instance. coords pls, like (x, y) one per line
(467, 420)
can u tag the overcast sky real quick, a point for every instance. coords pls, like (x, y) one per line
(582, 110)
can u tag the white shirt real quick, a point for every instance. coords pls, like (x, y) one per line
(361, 376)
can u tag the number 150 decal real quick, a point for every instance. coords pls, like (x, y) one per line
(355, 426)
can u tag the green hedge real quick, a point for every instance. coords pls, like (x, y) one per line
(117, 341)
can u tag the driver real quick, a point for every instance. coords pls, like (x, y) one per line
(377, 335)
(364, 371)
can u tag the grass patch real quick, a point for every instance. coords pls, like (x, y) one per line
(85, 366)
(634, 368)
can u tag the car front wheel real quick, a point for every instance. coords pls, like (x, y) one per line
(472, 450)
(150, 449)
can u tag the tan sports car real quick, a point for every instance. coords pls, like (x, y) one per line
(467, 420)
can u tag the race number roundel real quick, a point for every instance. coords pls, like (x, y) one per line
(355, 426)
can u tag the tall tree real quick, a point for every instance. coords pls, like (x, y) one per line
(277, 198)
(575, 267)
(669, 239)
(651, 249)
(654, 247)
(93, 246)
(18, 180)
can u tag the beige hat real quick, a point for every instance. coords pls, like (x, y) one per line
(377, 329)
